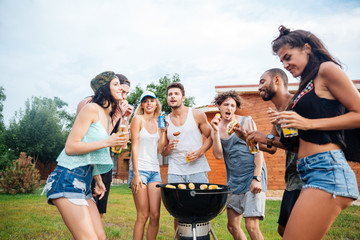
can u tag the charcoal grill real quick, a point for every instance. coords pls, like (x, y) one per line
(194, 208)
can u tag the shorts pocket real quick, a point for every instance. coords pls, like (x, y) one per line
(319, 170)
(79, 171)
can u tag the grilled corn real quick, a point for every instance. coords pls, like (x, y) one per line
(191, 186)
(181, 186)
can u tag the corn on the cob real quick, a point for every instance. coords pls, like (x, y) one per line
(181, 186)
(191, 186)
(203, 186)
(213, 187)
(170, 186)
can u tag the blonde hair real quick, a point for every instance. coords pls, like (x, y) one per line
(140, 111)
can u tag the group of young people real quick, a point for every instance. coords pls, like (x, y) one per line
(319, 181)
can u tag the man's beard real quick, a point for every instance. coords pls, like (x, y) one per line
(176, 106)
(269, 93)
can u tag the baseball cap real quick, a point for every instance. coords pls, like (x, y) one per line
(147, 94)
(101, 80)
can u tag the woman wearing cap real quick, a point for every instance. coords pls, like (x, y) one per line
(144, 174)
(86, 154)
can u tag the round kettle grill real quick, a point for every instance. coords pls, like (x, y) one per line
(194, 208)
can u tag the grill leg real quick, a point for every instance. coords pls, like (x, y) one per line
(176, 233)
(194, 231)
(212, 233)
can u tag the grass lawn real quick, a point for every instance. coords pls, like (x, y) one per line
(30, 217)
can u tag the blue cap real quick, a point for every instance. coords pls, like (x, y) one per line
(147, 94)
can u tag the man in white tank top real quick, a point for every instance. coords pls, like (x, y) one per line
(185, 148)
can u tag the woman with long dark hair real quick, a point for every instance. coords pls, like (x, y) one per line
(325, 104)
(86, 154)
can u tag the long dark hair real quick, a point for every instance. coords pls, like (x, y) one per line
(104, 98)
(318, 54)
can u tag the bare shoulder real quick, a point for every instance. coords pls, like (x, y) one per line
(330, 72)
(90, 108)
(137, 120)
(82, 104)
(88, 113)
(199, 115)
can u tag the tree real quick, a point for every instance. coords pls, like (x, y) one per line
(160, 92)
(41, 129)
(6, 155)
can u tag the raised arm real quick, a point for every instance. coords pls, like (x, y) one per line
(215, 135)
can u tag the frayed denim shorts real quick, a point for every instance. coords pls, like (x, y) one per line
(71, 184)
(146, 176)
(328, 171)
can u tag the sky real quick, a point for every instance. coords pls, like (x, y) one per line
(54, 48)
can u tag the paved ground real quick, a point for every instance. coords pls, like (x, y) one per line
(277, 195)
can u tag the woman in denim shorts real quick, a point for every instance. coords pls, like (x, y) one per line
(319, 105)
(144, 171)
(86, 154)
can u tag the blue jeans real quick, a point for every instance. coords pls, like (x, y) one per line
(200, 177)
(146, 176)
(66, 183)
(328, 171)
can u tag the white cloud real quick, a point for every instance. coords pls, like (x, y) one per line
(54, 48)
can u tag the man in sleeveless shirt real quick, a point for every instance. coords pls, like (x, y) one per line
(246, 172)
(185, 148)
(124, 110)
(273, 86)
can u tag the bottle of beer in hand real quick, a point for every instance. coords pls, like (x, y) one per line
(254, 147)
(122, 128)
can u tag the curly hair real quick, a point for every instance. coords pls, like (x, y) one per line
(221, 97)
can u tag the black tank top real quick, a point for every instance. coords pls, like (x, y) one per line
(309, 105)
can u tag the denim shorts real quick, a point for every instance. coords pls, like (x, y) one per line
(146, 176)
(200, 177)
(71, 184)
(328, 171)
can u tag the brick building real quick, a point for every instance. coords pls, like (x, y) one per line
(252, 105)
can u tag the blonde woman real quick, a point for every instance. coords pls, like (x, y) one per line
(144, 174)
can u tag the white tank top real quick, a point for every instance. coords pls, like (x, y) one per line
(147, 156)
(190, 139)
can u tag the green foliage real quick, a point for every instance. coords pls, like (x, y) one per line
(6, 159)
(160, 91)
(6, 155)
(40, 130)
(22, 177)
(2, 99)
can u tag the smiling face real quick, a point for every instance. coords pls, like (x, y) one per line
(175, 98)
(116, 89)
(149, 105)
(266, 87)
(294, 59)
(227, 109)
